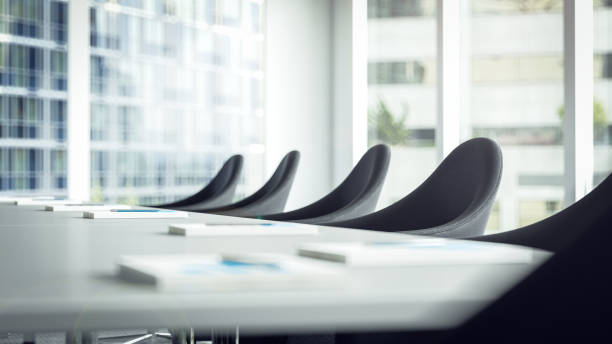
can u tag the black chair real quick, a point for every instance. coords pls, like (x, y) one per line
(455, 201)
(565, 300)
(271, 197)
(356, 196)
(554, 232)
(220, 191)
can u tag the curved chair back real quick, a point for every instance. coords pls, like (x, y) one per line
(455, 201)
(556, 231)
(218, 192)
(567, 299)
(271, 197)
(357, 195)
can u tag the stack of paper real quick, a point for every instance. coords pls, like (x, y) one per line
(14, 199)
(200, 273)
(45, 202)
(265, 228)
(135, 214)
(426, 251)
(85, 207)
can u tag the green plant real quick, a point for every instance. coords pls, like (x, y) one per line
(385, 128)
(96, 193)
(600, 117)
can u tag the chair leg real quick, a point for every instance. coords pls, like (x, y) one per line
(187, 336)
(161, 334)
(139, 337)
(182, 336)
(225, 336)
(29, 338)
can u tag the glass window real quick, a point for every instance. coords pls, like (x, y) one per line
(602, 89)
(254, 17)
(59, 70)
(176, 85)
(515, 96)
(58, 24)
(400, 8)
(402, 90)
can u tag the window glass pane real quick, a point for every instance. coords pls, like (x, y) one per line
(602, 89)
(514, 95)
(33, 97)
(402, 90)
(163, 80)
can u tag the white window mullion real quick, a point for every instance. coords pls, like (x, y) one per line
(578, 98)
(78, 100)
(360, 78)
(448, 22)
(350, 84)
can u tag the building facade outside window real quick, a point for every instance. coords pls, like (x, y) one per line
(602, 89)
(402, 90)
(513, 93)
(173, 76)
(166, 76)
(33, 96)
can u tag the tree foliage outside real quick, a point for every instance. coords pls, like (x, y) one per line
(384, 127)
(600, 117)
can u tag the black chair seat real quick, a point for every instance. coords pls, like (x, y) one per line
(455, 201)
(554, 232)
(220, 191)
(357, 195)
(271, 197)
(567, 299)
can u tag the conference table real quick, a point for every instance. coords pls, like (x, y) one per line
(58, 272)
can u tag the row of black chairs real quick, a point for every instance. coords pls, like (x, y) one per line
(454, 202)
(567, 298)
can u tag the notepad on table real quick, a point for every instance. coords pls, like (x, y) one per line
(425, 251)
(14, 199)
(85, 207)
(45, 202)
(200, 273)
(266, 229)
(135, 214)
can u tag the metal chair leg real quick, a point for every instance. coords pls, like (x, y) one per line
(226, 336)
(182, 336)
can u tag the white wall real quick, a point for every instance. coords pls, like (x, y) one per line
(298, 93)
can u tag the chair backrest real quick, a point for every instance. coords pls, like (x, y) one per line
(271, 197)
(554, 232)
(455, 201)
(357, 195)
(567, 299)
(218, 192)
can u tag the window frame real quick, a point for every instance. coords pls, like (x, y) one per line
(453, 66)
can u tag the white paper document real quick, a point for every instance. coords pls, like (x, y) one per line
(12, 200)
(45, 202)
(426, 251)
(265, 229)
(134, 214)
(85, 207)
(201, 273)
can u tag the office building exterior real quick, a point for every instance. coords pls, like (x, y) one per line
(512, 91)
(33, 96)
(166, 77)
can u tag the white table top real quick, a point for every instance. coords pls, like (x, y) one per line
(58, 272)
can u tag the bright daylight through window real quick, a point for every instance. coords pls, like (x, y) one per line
(512, 91)
(166, 76)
